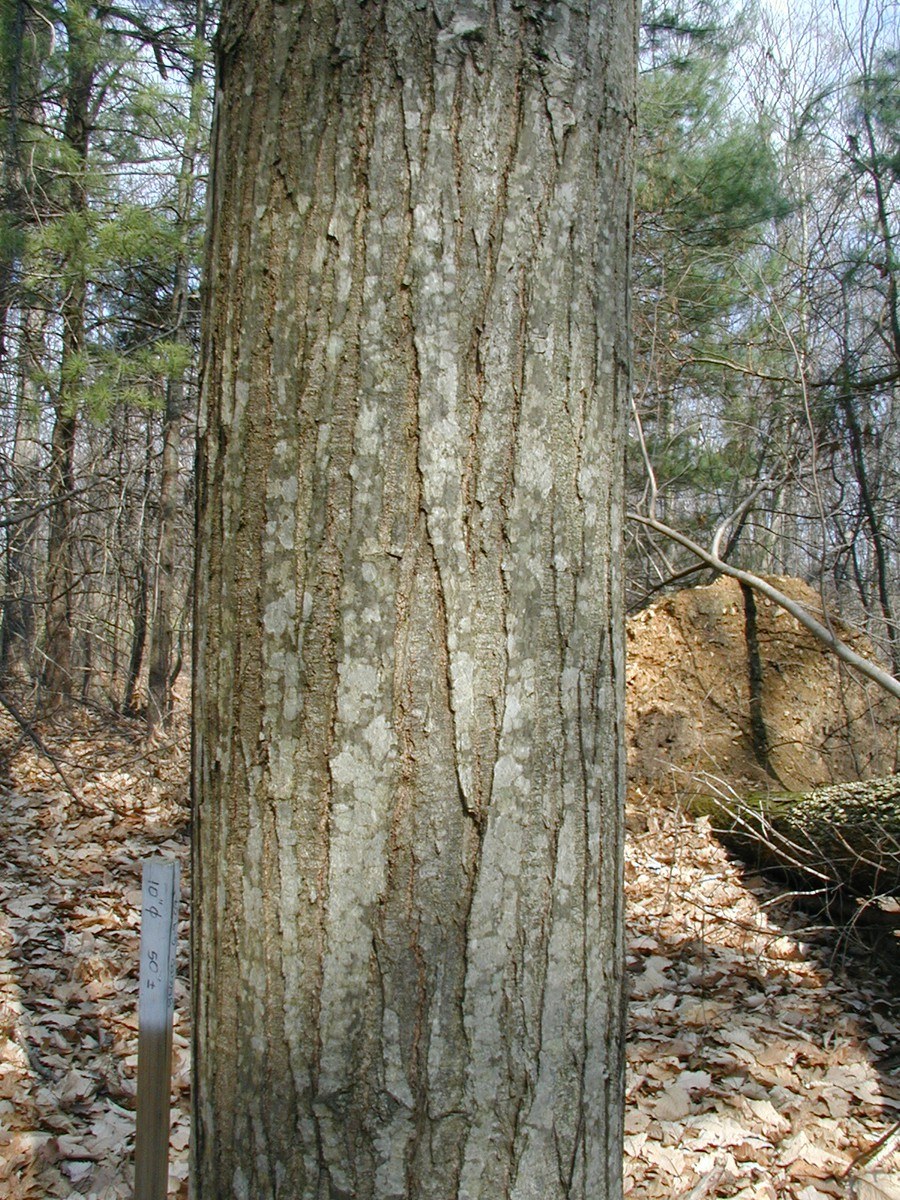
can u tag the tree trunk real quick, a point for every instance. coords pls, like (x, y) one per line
(57, 679)
(140, 603)
(876, 533)
(161, 675)
(56, 676)
(159, 690)
(759, 734)
(24, 39)
(18, 608)
(408, 661)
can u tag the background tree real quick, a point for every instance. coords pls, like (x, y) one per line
(708, 183)
(99, 340)
(163, 668)
(408, 668)
(779, 410)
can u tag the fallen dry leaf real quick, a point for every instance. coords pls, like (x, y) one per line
(753, 1052)
(876, 1185)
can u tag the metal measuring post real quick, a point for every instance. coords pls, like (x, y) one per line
(156, 1010)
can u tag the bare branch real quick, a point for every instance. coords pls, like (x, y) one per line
(864, 665)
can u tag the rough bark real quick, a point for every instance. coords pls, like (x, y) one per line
(408, 663)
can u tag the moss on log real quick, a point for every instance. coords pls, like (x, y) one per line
(845, 836)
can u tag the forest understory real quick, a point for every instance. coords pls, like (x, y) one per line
(763, 1060)
(764, 1046)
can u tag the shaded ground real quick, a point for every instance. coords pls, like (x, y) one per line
(763, 1058)
(70, 898)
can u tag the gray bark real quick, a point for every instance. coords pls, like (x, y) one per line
(408, 662)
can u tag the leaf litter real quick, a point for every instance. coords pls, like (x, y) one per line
(70, 898)
(763, 1057)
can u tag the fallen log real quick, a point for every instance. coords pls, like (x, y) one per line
(844, 837)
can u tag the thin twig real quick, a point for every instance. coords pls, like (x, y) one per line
(884, 1145)
(35, 739)
(704, 1186)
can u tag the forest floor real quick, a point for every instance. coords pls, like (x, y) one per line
(763, 1061)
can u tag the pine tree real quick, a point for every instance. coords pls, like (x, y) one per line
(108, 242)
